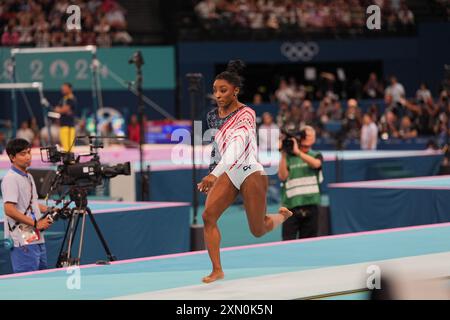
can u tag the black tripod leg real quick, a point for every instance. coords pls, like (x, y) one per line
(61, 250)
(69, 246)
(74, 234)
(110, 256)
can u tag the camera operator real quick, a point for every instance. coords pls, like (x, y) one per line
(23, 223)
(300, 171)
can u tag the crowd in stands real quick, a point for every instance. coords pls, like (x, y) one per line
(445, 7)
(307, 15)
(43, 23)
(397, 116)
(393, 116)
(38, 136)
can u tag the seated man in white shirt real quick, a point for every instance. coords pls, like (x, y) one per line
(268, 134)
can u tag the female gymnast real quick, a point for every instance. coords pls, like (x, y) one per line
(237, 171)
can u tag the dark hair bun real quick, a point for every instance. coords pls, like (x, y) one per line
(236, 66)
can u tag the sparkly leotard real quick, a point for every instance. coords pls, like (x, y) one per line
(216, 122)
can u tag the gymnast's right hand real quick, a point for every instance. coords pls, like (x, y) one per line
(207, 183)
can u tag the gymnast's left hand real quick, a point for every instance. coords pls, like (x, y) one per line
(207, 183)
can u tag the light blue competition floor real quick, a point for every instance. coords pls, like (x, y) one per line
(365, 295)
(233, 222)
(421, 182)
(99, 206)
(165, 157)
(366, 154)
(278, 261)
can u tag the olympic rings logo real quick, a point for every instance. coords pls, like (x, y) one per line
(300, 51)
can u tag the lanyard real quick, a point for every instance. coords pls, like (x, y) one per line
(30, 205)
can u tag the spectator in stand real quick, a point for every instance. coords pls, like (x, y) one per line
(389, 125)
(25, 30)
(369, 133)
(373, 112)
(428, 110)
(42, 35)
(298, 91)
(393, 94)
(441, 126)
(10, 36)
(432, 145)
(326, 85)
(294, 120)
(257, 99)
(442, 129)
(107, 130)
(373, 88)
(89, 23)
(121, 36)
(2, 142)
(81, 130)
(337, 114)
(394, 4)
(257, 19)
(407, 130)
(409, 108)
(104, 40)
(268, 133)
(405, 16)
(284, 114)
(423, 94)
(94, 5)
(25, 132)
(54, 131)
(103, 26)
(36, 143)
(308, 116)
(206, 11)
(443, 104)
(134, 129)
(421, 113)
(285, 93)
(324, 113)
(353, 119)
(34, 126)
(115, 16)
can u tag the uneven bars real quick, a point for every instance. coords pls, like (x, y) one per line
(40, 88)
(90, 48)
(27, 85)
(18, 85)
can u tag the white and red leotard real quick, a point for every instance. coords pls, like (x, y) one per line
(237, 145)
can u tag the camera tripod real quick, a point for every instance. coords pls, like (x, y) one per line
(65, 259)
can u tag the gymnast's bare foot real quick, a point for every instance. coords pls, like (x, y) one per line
(285, 212)
(214, 276)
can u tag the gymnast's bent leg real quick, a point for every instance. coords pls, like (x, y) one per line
(254, 191)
